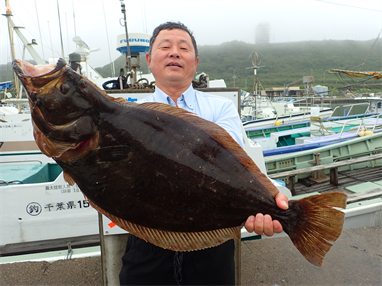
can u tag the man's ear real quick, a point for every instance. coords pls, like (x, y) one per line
(196, 62)
(148, 60)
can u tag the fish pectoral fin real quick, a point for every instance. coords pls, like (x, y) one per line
(68, 179)
(175, 241)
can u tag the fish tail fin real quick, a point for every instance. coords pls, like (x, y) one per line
(317, 224)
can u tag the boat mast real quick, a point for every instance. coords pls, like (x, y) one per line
(74, 19)
(27, 45)
(39, 29)
(8, 14)
(128, 55)
(51, 43)
(59, 22)
(108, 41)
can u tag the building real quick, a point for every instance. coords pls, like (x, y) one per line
(278, 91)
(262, 34)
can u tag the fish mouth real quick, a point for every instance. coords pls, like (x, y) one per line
(36, 77)
(52, 88)
(62, 131)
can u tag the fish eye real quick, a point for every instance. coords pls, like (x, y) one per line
(64, 88)
(82, 83)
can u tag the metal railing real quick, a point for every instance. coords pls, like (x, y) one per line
(377, 116)
(351, 107)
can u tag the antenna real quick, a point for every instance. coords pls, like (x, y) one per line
(82, 48)
(80, 42)
(234, 77)
(254, 57)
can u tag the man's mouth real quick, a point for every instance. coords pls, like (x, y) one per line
(174, 64)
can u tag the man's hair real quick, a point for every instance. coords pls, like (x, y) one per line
(172, 26)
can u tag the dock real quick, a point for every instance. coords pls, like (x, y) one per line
(347, 182)
(355, 259)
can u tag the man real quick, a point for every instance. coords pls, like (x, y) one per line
(173, 59)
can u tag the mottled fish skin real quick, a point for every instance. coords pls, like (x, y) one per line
(159, 166)
(149, 168)
(156, 163)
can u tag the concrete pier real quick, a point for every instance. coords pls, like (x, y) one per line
(355, 259)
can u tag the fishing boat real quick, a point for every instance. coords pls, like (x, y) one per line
(38, 205)
(375, 102)
(294, 138)
(289, 114)
(5, 85)
(268, 113)
(340, 151)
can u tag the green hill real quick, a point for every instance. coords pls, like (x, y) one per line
(283, 63)
(287, 62)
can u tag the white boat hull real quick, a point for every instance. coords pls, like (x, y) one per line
(283, 120)
(37, 212)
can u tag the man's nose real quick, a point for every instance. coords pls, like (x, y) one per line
(174, 53)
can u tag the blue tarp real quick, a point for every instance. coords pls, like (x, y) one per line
(5, 84)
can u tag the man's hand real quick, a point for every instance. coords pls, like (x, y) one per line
(263, 223)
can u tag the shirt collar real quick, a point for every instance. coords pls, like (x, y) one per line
(160, 96)
(188, 96)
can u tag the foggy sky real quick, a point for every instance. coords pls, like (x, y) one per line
(212, 22)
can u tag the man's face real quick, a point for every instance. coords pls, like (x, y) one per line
(172, 60)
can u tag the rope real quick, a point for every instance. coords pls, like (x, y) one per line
(178, 259)
(15, 182)
(70, 251)
(370, 50)
(317, 121)
(115, 84)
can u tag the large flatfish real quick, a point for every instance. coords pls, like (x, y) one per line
(163, 174)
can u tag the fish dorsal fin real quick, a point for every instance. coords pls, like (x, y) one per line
(123, 101)
(175, 241)
(213, 129)
(219, 134)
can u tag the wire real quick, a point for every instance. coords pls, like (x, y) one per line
(380, 11)
(341, 77)
(370, 50)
